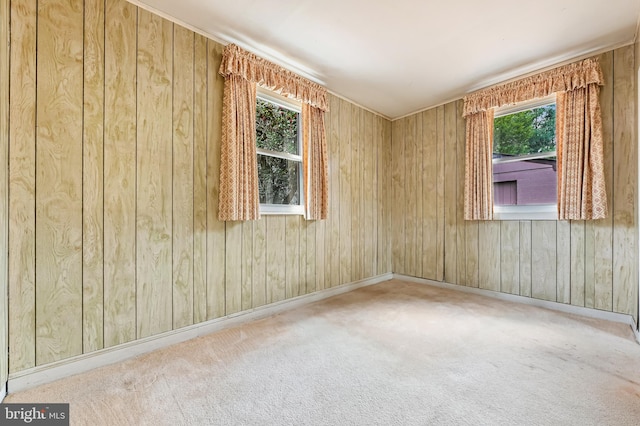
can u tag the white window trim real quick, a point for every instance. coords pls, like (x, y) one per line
(278, 99)
(281, 209)
(531, 211)
(291, 104)
(524, 106)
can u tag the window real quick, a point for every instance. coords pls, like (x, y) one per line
(279, 149)
(524, 161)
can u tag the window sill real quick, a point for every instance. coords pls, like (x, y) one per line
(533, 212)
(275, 209)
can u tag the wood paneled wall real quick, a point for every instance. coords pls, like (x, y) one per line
(637, 116)
(584, 263)
(4, 189)
(114, 136)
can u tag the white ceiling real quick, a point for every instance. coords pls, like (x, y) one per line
(401, 56)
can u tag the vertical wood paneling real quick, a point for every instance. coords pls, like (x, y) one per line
(577, 262)
(419, 195)
(603, 229)
(59, 90)
(215, 229)
(246, 294)
(142, 249)
(22, 184)
(276, 258)
(376, 197)
(320, 261)
(259, 267)
(308, 271)
(410, 196)
(154, 176)
(365, 195)
(22, 166)
(93, 178)
(588, 263)
(200, 180)
(303, 255)
(398, 188)
(543, 260)
(183, 190)
(450, 190)
(440, 191)
(389, 195)
(385, 195)
(361, 197)
(162, 127)
(489, 256)
(625, 174)
(5, 37)
(332, 277)
(563, 262)
(233, 268)
(355, 180)
(589, 267)
(120, 174)
(510, 257)
(525, 258)
(461, 228)
(345, 238)
(430, 195)
(472, 249)
(292, 256)
(369, 193)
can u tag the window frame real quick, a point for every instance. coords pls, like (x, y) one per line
(529, 211)
(292, 105)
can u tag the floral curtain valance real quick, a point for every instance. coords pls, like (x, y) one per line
(562, 79)
(238, 61)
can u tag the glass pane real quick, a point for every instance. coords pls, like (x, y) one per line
(276, 127)
(278, 180)
(525, 132)
(525, 182)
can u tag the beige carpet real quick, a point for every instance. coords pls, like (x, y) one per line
(391, 354)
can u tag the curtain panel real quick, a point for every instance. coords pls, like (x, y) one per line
(579, 144)
(242, 70)
(581, 185)
(238, 198)
(478, 174)
(316, 163)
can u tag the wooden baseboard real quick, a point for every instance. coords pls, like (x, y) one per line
(47, 373)
(556, 306)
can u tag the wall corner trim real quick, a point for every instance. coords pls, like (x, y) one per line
(82, 363)
(555, 306)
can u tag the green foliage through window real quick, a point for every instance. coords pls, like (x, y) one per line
(526, 132)
(277, 130)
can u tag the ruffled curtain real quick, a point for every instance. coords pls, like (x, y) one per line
(581, 193)
(239, 198)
